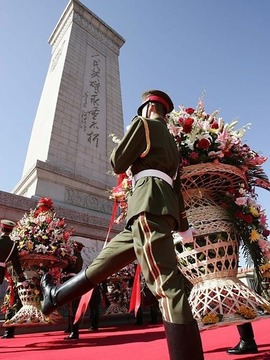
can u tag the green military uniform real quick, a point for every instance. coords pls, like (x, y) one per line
(154, 210)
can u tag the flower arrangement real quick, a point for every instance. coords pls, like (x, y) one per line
(202, 137)
(120, 194)
(44, 244)
(42, 232)
(118, 290)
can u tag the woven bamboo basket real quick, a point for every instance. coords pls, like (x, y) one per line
(30, 313)
(218, 297)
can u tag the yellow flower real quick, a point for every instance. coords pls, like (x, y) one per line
(125, 184)
(254, 211)
(210, 319)
(30, 245)
(265, 270)
(254, 235)
(247, 313)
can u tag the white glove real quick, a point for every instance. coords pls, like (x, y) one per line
(185, 237)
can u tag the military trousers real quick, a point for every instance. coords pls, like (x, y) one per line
(149, 240)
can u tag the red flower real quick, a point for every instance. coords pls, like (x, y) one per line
(66, 235)
(189, 111)
(60, 223)
(45, 202)
(228, 154)
(187, 125)
(180, 120)
(245, 217)
(231, 191)
(203, 144)
(193, 155)
(214, 125)
(266, 233)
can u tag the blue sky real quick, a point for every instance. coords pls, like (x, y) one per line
(184, 47)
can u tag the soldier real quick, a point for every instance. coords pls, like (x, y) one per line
(69, 272)
(155, 209)
(9, 252)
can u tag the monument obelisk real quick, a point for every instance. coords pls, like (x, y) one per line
(80, 106)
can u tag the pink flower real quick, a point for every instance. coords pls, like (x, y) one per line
(258, 160)
(262, 183)
(264, 245)
(241, 201)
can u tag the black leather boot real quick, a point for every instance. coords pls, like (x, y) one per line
(247, 344)
(9, 333)
(55, 296)
(184, 341)
(74, 335)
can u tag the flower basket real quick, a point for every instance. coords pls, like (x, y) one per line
(30, 313)
(44, 245)
(117, 299)
(30, 261)
(217, 298)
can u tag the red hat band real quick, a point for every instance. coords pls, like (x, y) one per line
(160, 100)
(7, 227)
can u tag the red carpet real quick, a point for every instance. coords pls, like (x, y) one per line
(127, 342)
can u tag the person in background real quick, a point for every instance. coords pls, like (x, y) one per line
(94, 304)
(147, 301)
(69, 272)
(155, 210)
(9, 252)
(247, 344)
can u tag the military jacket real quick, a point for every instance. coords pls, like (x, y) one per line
(5, 247)
(151, 194)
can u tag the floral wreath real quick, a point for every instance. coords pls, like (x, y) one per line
(41, 231)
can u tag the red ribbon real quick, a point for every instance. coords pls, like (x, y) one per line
(82, 307)
(135, 298)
